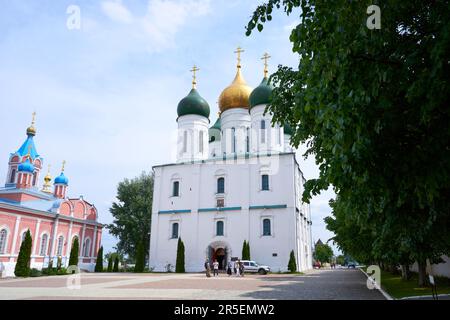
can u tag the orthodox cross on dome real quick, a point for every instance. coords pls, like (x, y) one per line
(265, 57)
(194, 79)
(33, 118)
(63, 165)
(239, 50)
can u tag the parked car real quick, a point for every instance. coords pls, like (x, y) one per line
(252, 266)
(317, 265)
(351, 264)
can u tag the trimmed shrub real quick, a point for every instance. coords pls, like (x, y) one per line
(116, 264)
(246, 250)
(59, 263)
(99, 262)
(292, 265)
(179, 267)
(73, 260)
(110, 263)
(35, 273)
(22, 268)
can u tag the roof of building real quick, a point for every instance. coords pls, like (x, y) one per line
(262, 93)
(193, 103)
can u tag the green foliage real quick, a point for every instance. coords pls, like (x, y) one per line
(340, 259)
(246, 250)
(132, 214)
(179, 266)
(110, 263)
(73, 259)
(323, 253)
(116, 264)
(140, 257)
(292, 265)
(59, 263)
(372, 107)
(99, 262)
(35, 273)
(22, 268)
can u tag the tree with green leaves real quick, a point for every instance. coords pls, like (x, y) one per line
(110, 263)
(179, 265)
(132, 214)
(323, 253)
(116, 264)
(22, 268)
(292, 265)
(73, 259)
(372, 106)
(140, 258)
(99, 262)
(246, 250)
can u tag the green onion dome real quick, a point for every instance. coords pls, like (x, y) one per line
(193, 103)
(262, 93)
(214, 131)
(287, 129)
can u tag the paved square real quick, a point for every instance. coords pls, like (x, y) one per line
(316, 284)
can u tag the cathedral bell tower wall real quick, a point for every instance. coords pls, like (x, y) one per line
(265, 138)
(235, 131)
(192, 142)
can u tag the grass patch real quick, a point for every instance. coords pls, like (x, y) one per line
(398, 288)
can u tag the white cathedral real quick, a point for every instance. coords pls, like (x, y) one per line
(236, 181)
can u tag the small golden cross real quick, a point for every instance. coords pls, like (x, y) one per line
(33, 118)
(194, 79)
(265, 58)
(238, 51)
(63, 165)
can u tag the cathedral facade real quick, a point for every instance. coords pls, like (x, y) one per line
(237, 180)
(53, 219)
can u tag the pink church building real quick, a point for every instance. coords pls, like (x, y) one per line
(53, 218)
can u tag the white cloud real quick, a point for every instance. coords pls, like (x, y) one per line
(116, 11)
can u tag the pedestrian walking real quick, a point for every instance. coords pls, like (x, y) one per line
(207, 268)
(238, 268)
(229, 267)
(215, 268)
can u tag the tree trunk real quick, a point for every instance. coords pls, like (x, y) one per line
(422, 267)
(405, 272)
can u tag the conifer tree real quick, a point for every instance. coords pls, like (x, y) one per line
(116, 264)
(99, 262)
(292, 265)
(73, 260)
(179, 267)
(22, 268)
(140, 257)
(110, 262)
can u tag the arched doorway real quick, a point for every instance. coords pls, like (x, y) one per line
(219, 251)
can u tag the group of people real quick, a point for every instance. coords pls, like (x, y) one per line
(235, 268)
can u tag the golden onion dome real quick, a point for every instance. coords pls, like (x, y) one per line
(236, 95)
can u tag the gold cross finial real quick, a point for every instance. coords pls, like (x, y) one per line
(48, 169)
(265, 57)
(239, 50)
(33, 118)
(63, 165)
(194, 79)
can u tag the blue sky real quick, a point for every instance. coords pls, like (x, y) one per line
(106, 94)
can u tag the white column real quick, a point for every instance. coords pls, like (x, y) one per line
(54, 235)
(81, 252)
(14, 239)
(94, 244)
(69, 243)
(36, 238)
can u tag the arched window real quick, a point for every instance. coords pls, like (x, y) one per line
(175, 230)
(200, 142)
(13, 176)
(263, 131)
(266, 227)
(185, 141)
(34, 178)
(265, 182)
(233, 140)
(219, 228)
(87, 247)
(176, 189)
(247, 141)
(43, 249)
(221, 185)
(60, 245)
(3, 237)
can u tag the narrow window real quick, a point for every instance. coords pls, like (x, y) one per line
(60, 246)
(34, 179)
(43, 250)
(87, 249)
(233, 141)
(279, 134)
(220, 203)
(266, 227)
(13, 176)
(263, 131)
(247, 148)
(219, 228)
(176, 189)
(174, 230)
(200, 142)
(185, 141)
(265, 182)
(3, 236)
(221, 185)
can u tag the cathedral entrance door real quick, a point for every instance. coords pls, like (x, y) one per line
(219, 255)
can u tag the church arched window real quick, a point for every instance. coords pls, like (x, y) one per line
(175, 227)
(87, 247)
(3, 238)
(221, 185)
(60, 245)
(265, 182)
(43, 249)
(233, 140)
(247, 141)
(263, 131)
(176, 189)
(34, 178)
(200, 142)
(13, 176)
(267, 227)
(219, 228)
